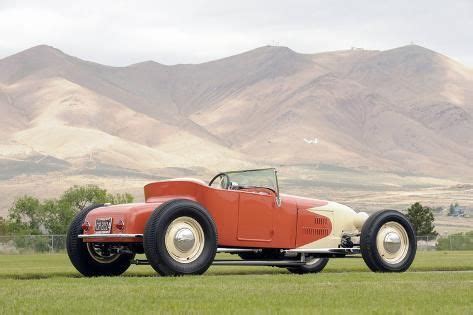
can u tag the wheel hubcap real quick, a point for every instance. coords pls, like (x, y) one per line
(392, 242)
(184, 239)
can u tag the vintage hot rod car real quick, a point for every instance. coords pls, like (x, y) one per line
(183, 223)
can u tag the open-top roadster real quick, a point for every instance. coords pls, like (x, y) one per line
(183, 223)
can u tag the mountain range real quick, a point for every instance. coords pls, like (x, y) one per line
(407, 110)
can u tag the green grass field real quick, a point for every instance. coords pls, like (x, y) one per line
(438, 282)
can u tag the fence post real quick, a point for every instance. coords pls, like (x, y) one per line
(52, 244)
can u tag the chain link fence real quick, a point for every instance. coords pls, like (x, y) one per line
(426, 243)
(456, 242)
(24, 244)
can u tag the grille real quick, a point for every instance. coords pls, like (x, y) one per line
(315, 231)
(320, 221)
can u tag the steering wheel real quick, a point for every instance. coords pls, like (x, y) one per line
(224, 180)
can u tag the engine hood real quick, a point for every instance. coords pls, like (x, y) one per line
(302, 202)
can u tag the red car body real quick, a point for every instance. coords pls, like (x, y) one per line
(243, 218)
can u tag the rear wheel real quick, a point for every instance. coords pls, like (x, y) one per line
(388, 242)
(313, 265)
(93, 259)
(180, 238)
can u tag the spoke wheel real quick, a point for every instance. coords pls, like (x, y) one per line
(97, 253)
(91, 259)
(312, 265)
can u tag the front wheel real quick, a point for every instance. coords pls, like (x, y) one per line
(388, 242)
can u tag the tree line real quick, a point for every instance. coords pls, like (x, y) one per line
(31, 216)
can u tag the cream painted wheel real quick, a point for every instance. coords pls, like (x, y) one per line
(180, 238)
(184, 239)
(392, 242)
(388, 242)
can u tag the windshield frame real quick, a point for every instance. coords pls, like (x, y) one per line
(275, 172)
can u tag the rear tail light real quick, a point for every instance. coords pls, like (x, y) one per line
(85, 226)
(120, 225)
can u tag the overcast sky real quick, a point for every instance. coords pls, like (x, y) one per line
(124, 32)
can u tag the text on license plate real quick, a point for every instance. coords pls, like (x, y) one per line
(103, 225)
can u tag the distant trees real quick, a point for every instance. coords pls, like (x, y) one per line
(3, 226)
(25, 216)
(422, 219)
(29, 215)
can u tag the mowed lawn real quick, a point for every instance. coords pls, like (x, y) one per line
(438, 282)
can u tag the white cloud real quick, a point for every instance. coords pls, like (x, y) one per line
(124, 32)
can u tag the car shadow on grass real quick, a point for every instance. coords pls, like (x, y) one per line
(38, 276)
(74, 275)
(213, 273)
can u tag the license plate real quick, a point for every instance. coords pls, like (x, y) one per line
(103, 225)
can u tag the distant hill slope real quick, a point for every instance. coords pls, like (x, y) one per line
(407, 110)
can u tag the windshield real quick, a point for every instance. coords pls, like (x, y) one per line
(254, 178)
